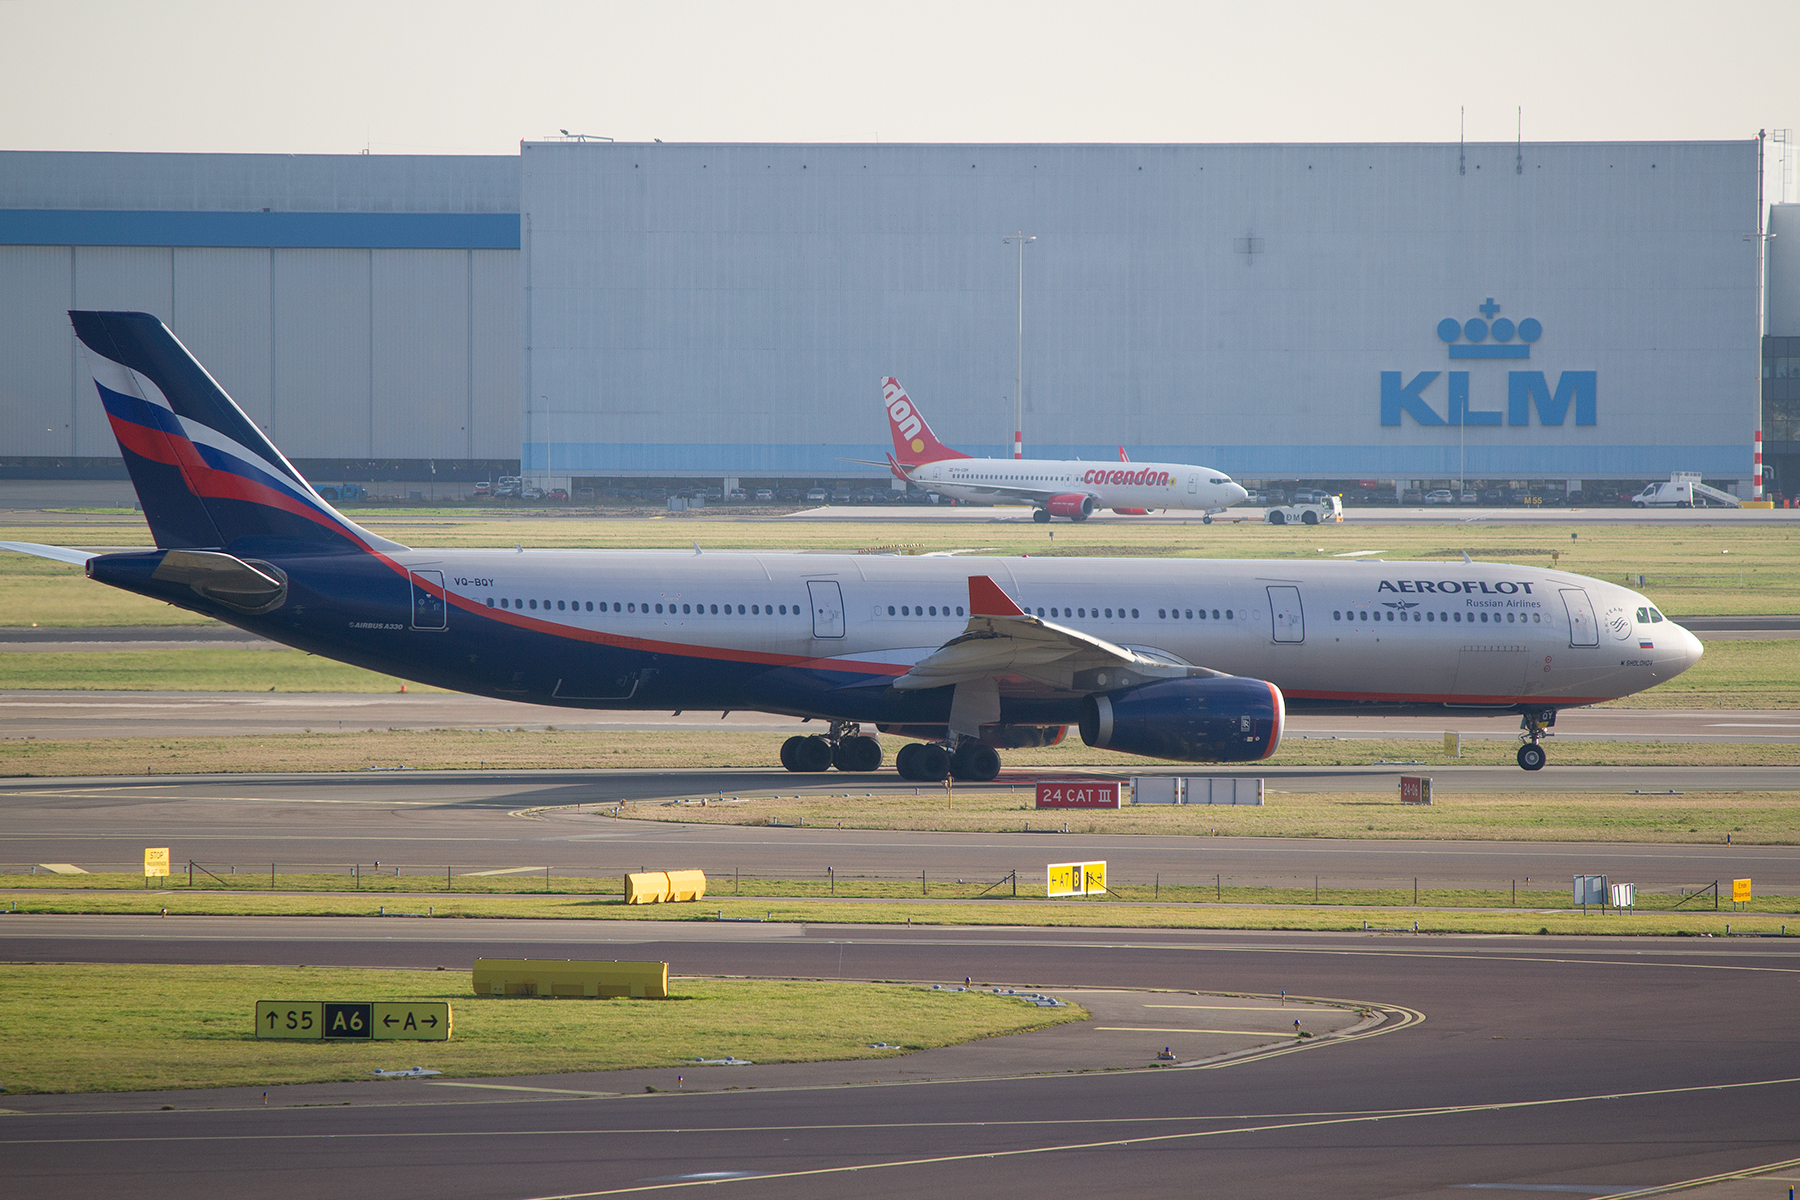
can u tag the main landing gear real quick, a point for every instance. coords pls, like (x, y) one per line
(846, 747)
(1536, 726)
(932, 762)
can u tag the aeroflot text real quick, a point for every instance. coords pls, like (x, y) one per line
(1427, 586)
(1145, 478)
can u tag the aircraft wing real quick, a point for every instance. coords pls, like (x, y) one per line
(59, 553)
(1003, 640)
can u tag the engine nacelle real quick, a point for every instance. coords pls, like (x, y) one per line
(1077, 506)
(1000, 737)
(1229, 718)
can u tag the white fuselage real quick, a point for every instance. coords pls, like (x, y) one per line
(1144, 485)
(1405, 633)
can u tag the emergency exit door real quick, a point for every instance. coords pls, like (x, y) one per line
(1287, 621)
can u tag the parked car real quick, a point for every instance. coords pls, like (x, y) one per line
(484, 488)
(584, 493)
(1468, 498)
(531, 493)
(737, 495)
(788, 496)
(557, 494)
(1440, 496)
(818, 496)
(764, 495)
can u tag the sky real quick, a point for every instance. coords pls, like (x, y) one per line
(454, 76)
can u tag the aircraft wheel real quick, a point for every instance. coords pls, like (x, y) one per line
(903, 760)
(787, 752)
(1079, 517)
(930, 763)
(1278, 518)
(975, 762)
(857, 754)
(812, 755)
(1532, 756)
(1310, 517)
(1041, 516)
(1206, 520)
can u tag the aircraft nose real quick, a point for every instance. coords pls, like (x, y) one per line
(1688, 650)
(1238, 493)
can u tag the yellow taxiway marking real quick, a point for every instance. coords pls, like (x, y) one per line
(513, 1087)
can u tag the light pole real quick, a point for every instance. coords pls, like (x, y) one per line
(1019, 368)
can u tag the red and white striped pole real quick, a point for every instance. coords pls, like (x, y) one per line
(1756, 480)
(1018, 443)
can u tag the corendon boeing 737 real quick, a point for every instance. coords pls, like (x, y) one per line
(1054, 487)
(1191, 660)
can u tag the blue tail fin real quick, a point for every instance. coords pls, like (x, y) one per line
(205, 474)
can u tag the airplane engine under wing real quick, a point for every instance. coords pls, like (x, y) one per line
(1226, 719)
(1077, 505)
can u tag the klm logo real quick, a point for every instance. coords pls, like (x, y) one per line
(1485, 337)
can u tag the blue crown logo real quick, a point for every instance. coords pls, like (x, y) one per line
(1477, 331)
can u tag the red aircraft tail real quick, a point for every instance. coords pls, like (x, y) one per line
(914, 443)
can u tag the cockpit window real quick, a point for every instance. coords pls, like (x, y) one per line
(1655, 616)
(1220, 479)
(1643, 616)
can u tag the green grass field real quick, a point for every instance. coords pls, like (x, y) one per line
(93, 1028)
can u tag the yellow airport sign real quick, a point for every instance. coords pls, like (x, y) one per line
(1075, 879)
(1740, 890)
(376, 1021)
(297, 1020)
(156, 860)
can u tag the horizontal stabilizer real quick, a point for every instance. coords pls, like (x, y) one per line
(59, 553)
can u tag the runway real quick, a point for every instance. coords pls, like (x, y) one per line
(426, 823)
(1583, 1066)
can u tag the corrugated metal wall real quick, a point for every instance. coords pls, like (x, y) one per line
(731, 308)
(409, 354)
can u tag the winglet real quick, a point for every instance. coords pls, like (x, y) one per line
(987, 600)
(898, 470)
(1123, 457)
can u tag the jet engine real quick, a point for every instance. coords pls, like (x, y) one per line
(1077, 506)
(1228, 718)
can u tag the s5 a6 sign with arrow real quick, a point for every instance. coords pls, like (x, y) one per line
(332, 1020)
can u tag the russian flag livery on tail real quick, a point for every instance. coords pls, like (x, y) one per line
(204, 472)
(1186, 660)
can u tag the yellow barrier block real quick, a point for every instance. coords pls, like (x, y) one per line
(571, 979)
(662, 887)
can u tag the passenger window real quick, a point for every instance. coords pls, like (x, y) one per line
(715, 609)
(740, 610)
(1429, 616)
(890, 610)
(559, 605)
(1484, 618)
(534, 604)
(1536, 617)
(631, 608)
(1109, 612)
(959, 611)
(934, 610)
(590, 606)
(1227, 613)
(1190, 614)
(490, 602)
(1081, 612)
(1134, 614)
(1163, 613)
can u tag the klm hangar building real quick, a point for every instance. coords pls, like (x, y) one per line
(596, 311)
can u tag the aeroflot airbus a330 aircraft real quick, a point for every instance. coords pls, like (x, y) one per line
(1196, 661)
(1054, 487)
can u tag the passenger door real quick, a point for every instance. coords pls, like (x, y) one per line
(1288, 621)
(428, 608)
(827, 607)
(1583, 629)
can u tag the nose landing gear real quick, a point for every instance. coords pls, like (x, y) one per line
(846, 747)
(1536, 726)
